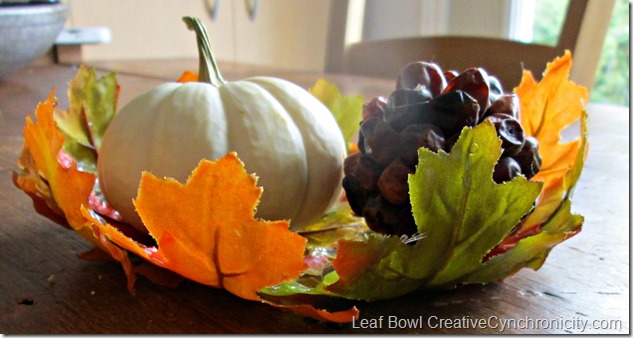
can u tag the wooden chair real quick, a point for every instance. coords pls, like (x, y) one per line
(583, 32)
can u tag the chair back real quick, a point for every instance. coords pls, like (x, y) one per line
(585, 21)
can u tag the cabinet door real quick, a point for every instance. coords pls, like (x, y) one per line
(287, 34)
(151, 29)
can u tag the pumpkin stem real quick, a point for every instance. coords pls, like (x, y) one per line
(209, 71)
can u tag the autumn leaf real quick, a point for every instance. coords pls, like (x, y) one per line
(543, 225)
(311, 301)
(188, 76)
(451, 195)
(338, 223)
(530, 251)
(51, 174)
(547, 108)
(206, 231)
(458, 193)
(347, 110)
(378, 268)
(93, 103)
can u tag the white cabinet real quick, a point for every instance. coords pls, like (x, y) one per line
(288, 34)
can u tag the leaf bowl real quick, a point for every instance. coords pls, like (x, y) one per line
(491, 236)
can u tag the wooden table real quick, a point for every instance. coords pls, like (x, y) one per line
(46, 288)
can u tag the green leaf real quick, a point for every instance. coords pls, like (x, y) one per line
(92, 105)
(86, 157)
(461, 213)
(531, 251)
(458, 206)
(299, 287)
(377, 268)
(347, 110)
(73, 123)
(572, 176)
(338, 223)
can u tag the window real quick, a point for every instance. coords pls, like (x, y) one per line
(540, 21)
(612, 82)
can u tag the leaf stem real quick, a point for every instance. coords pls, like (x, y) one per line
(208, 71)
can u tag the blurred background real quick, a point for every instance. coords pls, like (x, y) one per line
(293, 34)
(529, 21)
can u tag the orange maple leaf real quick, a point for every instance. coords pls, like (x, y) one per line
(51, 174)
(547, 108)
(206, 231)
(188, 76)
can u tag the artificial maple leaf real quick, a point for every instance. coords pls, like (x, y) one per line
(206, 231)
(311, 301)
(50, 173)
(188, 76)
(554, 198)
(92, 106)
(530, 251)
(30, 181)
(547, 108)
(377, 268)
(451, 195)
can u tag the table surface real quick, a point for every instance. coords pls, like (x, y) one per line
(46, 288)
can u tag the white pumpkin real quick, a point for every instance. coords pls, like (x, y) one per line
(283, 134)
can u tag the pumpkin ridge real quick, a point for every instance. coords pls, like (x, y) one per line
(298, 205)
(319, 131)
(269, 148)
